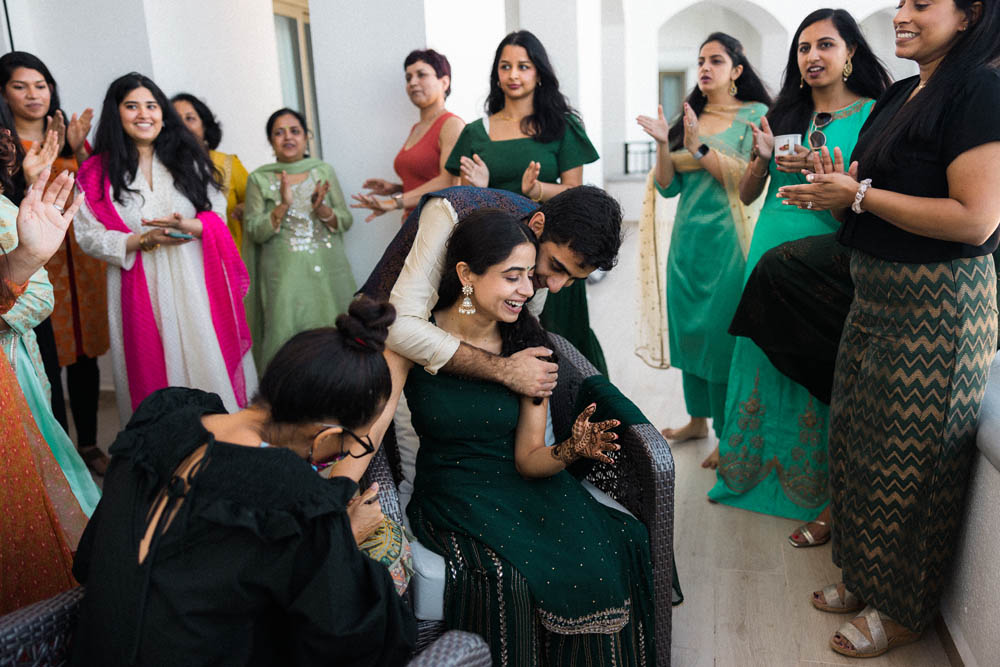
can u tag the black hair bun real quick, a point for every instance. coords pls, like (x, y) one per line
(365, 325)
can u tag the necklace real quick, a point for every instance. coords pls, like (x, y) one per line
(505, 115)
(921, 85)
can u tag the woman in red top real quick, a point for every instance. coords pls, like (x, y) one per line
(420, 162)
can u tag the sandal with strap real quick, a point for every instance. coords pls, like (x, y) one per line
(877, 644)
(811, 541)
(834, 603)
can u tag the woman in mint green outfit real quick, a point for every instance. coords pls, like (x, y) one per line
(294, 222)
(773, 449)
(533, 144)
(702, 161)
(17, 338)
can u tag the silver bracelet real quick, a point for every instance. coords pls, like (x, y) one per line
(858, 198)
(333, 214)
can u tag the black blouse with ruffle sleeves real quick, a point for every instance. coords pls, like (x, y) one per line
(258, 567)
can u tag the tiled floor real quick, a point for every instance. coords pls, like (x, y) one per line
(746, 590)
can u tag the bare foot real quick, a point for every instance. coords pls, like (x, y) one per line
(696, 429)
(712, 460)
(896, 634)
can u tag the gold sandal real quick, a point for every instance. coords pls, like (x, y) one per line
(811, 541)
(834, 603)
(877, 644)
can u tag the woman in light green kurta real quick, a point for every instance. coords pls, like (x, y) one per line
(17, 339)
(293, 246)
(773, 450)
(520, 149)
(706, 259)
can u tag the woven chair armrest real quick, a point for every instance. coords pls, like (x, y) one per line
(379, 471)
(39, 634)
(455, 649)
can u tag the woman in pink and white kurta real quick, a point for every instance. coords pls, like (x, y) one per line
(175, 305)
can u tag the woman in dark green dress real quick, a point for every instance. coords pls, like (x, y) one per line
(539, 568)
(532, 143)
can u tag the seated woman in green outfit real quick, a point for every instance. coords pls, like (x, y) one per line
(294, 221)
(531, 143)
(702, 161)
(773, 449)
(569, 580)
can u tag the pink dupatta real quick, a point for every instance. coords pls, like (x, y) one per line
(226, 280)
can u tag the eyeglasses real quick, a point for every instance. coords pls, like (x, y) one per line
(364, 440)
(817, 139)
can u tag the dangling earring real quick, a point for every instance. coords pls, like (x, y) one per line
(467, 307)
(848, 68)
(733, 89)
(802, 82)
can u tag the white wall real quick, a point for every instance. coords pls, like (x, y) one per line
(365, 114)
(467, 33)
(219, 50)
(225, 53)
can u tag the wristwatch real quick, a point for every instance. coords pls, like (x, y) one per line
(398, 198)
(701, 152)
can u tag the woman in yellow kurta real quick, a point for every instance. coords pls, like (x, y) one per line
(233, 175)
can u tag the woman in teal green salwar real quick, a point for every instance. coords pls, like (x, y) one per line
(545, 573)
(702, 162)
(294, 221)
(532, 144)
(773, 449)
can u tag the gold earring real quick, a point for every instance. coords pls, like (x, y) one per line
(848, 68)
(802, 82)
(467, 307)
(733, 89)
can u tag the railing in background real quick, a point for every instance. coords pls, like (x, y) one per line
(639, 156)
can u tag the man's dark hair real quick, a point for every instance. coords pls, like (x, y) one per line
(589, 221)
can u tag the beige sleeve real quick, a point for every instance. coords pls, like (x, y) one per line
(415, 292)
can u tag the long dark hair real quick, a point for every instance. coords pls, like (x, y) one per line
(11, 156)
(211, 125)
(794, 106)
(332, 372)
(749, 86)
(976, 48)
(485, 238)
(14, 59)
(548, 121)
(179, 150)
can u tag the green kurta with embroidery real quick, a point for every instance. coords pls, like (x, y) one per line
(299, 274)
(565, 312)
(587, 566)
(773, 449)
(705, 262)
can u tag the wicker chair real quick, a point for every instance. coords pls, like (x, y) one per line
(642, 480)
(39, 635)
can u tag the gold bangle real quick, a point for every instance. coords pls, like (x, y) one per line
(540, 193)
(333, 214)
(144, 243)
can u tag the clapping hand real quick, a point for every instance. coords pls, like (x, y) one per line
(530, 179)
(41, 220)
(78, 129)
(380, 186)
(691, 138)
(657, 128)
(285, 189)
(175, 223)
(58, 124)
(795, 163)
(40, 157)
(475, 171)
(374, 204)
(588, 440)
(829, 188)
(763, 139)
(319, 194)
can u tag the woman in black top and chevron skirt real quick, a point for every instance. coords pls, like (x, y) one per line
(920, 209)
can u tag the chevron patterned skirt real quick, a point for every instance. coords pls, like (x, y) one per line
(910, 376)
